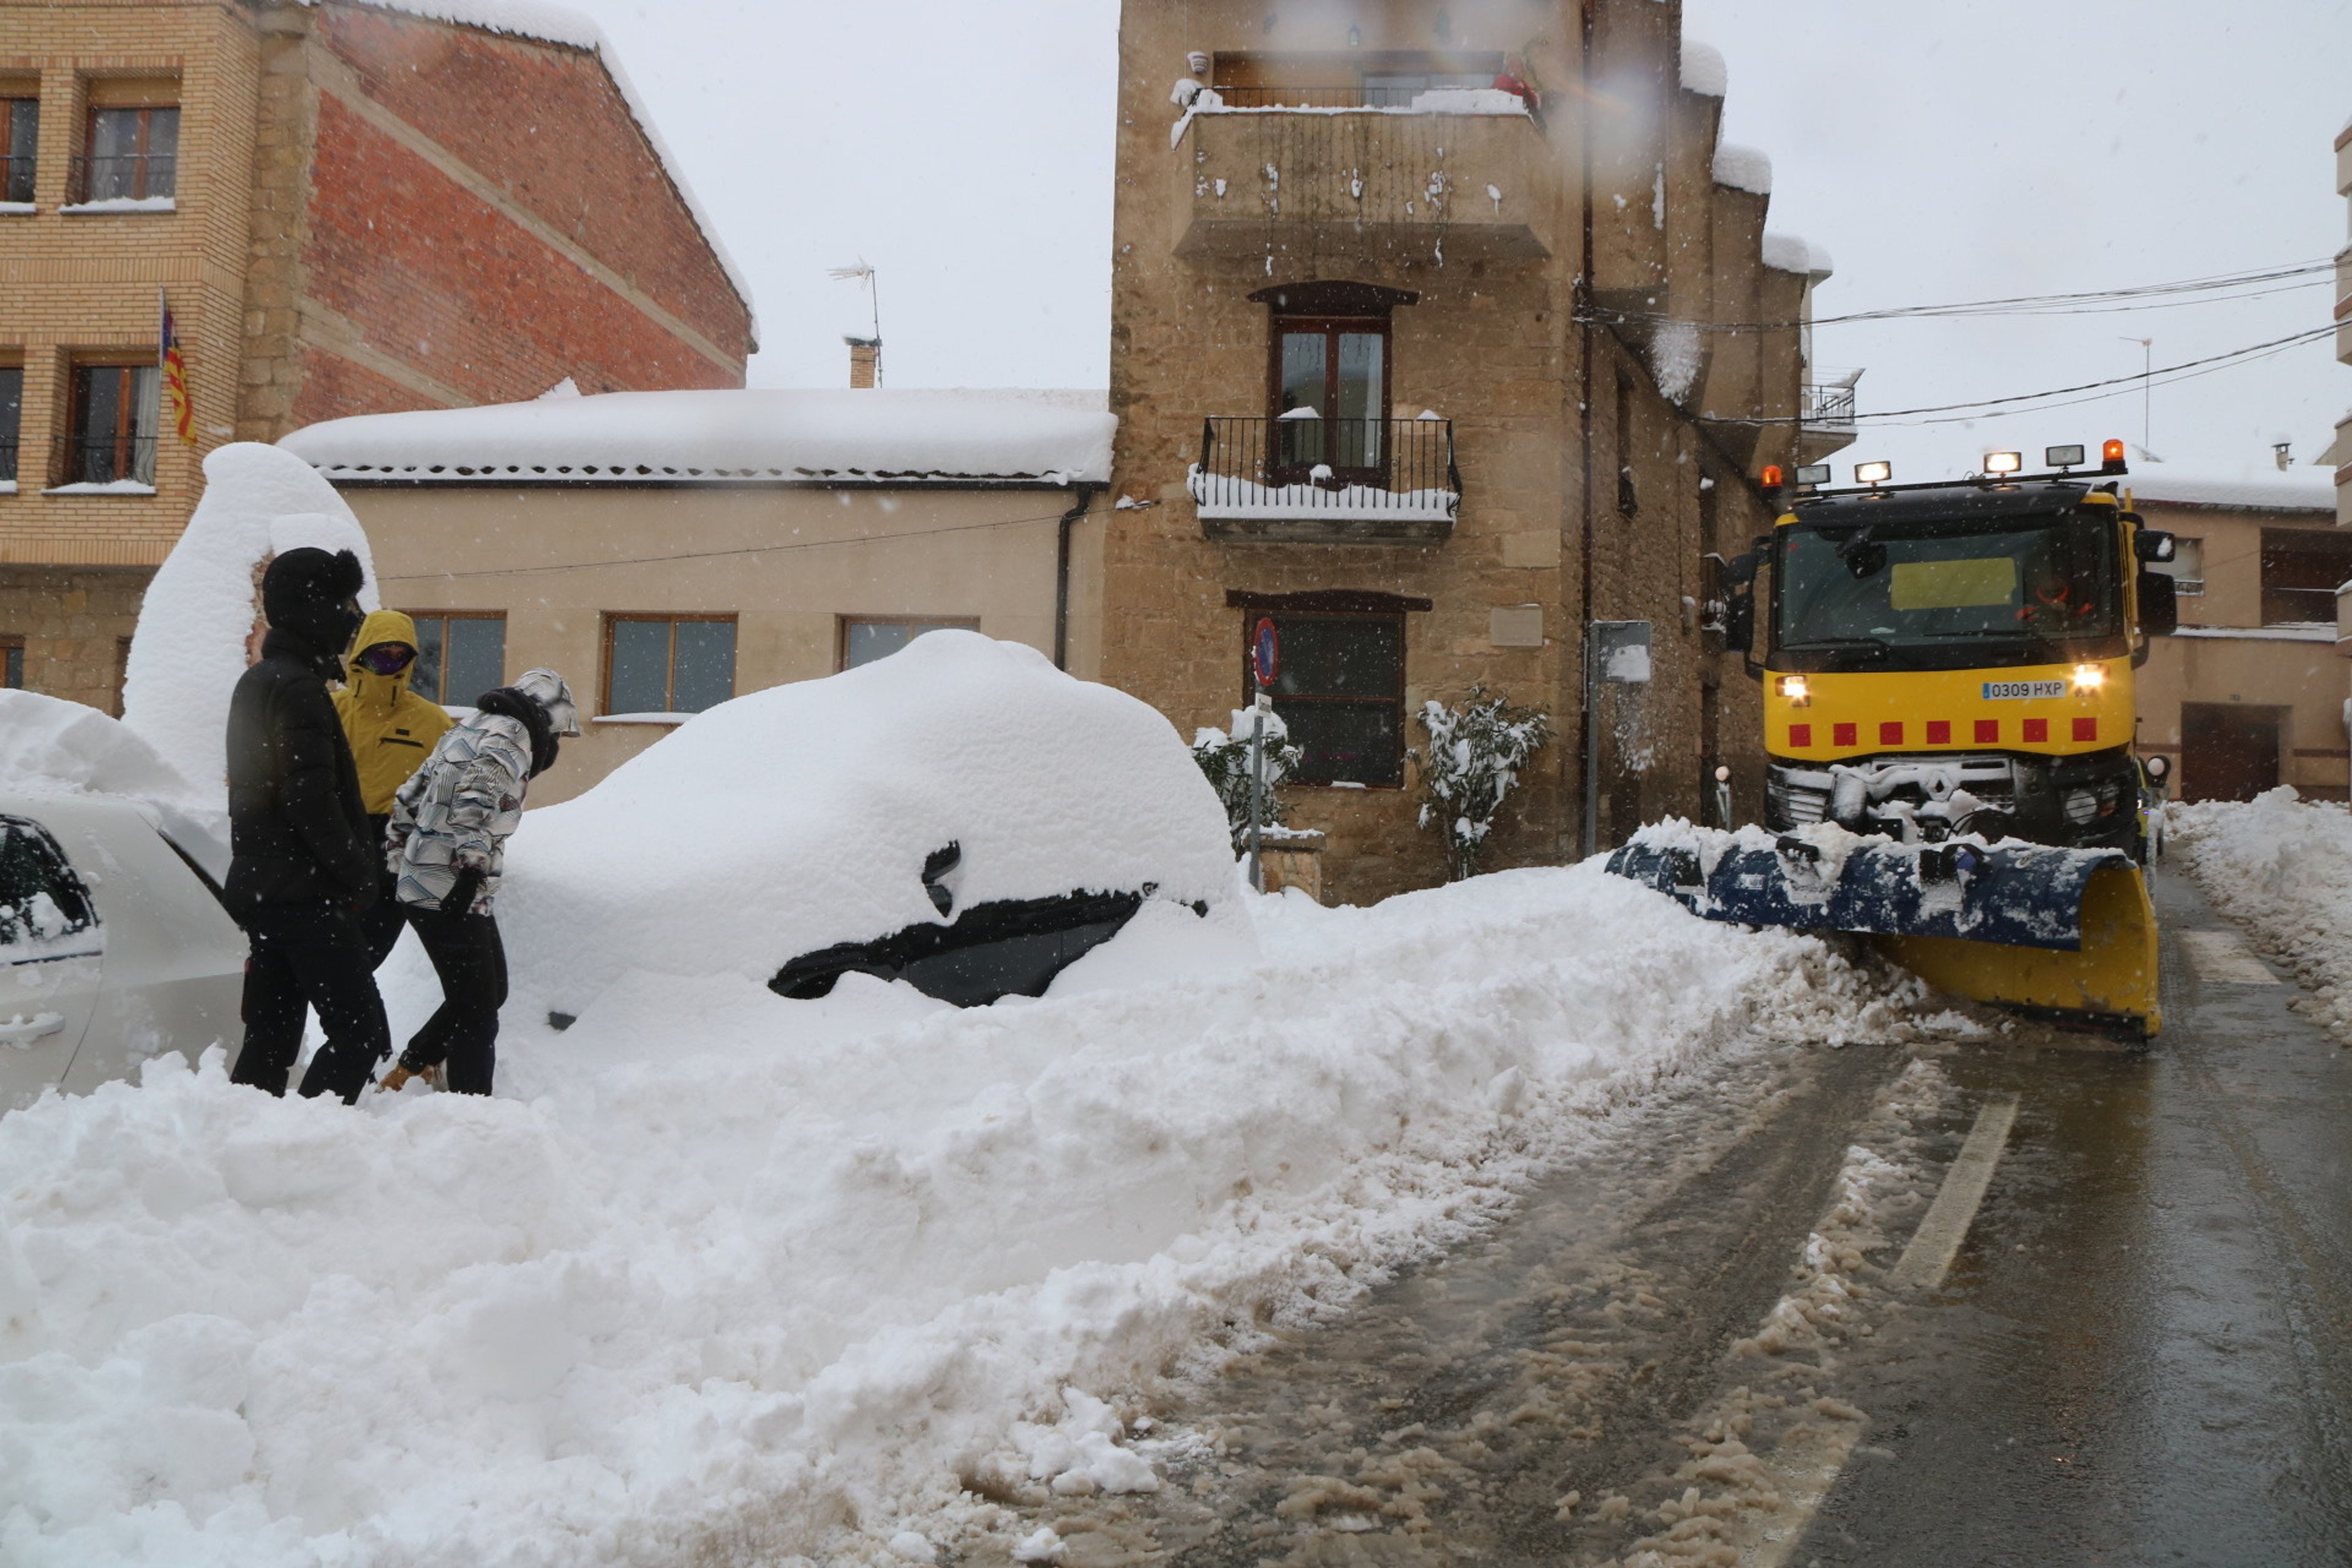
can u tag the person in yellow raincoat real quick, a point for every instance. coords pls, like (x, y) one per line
(392, 730)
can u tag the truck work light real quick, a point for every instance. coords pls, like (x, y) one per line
(2063, 456)
(1873, 473)
(1813, 473)
(2003, 462)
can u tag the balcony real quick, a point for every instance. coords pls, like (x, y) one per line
(1327, 481)
(119, 464)
(1825, 419)
(1371, 182)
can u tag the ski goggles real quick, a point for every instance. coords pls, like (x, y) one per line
(387, 657)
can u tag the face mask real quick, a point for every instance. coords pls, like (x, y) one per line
(387, 657)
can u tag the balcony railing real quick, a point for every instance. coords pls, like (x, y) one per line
(1829, 407)
(1327, 481)
(102, 460)
(1435, 99)
(124, 177)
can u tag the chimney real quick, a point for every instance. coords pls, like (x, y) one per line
(865, 360)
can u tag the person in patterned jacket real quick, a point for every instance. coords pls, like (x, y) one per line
(445, 846)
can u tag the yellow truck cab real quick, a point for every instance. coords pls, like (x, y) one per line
(1957, 657)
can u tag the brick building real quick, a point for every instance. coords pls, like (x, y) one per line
(350, 209)
(1439, 330)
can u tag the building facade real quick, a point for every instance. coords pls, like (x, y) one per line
(346, 208)
(2340, 454)
(2248, 694)
(1440, 331)
(667, 551)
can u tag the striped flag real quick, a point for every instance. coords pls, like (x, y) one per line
(175, 375)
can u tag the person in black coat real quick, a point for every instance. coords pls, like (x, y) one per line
(303, 867)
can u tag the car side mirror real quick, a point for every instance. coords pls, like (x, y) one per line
(2159, 609)
(2153, 544)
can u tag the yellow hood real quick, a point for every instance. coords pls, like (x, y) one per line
(392, 730)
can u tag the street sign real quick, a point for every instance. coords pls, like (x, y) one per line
(1265, 651)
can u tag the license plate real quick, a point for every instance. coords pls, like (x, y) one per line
(2011, 690)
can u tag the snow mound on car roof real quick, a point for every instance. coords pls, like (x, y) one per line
(50, 746)
(793, 818)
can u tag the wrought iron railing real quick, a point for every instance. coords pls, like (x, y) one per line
(124, 177)
(1347, 97)
(1326, 469)
(16, 177)
(103, 460)
(1830, 407)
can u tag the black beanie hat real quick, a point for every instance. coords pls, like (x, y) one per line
(304, 592)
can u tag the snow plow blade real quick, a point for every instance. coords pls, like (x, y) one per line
(2062, 933)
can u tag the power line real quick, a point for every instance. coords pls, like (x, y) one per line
(2164, 377)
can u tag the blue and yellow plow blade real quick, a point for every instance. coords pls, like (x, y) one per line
(2062, 933)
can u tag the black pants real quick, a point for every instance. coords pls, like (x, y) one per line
(385, 919)
(310, 955)
(472, 963)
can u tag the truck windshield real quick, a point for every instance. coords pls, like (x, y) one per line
(1945, 594)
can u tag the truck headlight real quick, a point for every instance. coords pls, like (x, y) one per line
(2090, 676)
(2080, 806)
(1796, 692)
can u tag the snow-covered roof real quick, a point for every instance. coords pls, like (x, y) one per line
(1788, 253)
(735, 434)
(2293, 489)
(549, 23)
(1743, 169)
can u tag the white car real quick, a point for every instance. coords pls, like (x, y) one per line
(114, 946)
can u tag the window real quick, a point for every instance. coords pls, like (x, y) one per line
(661, 665)
(12, 663)
(20, 141)
(1364, 79)
(2187, 567)
(2301, 569)
(460, 655)
(112, 425)
(865, 638)
(12, 418)
(1331, 396)
(132, 154)
(1340, 690)
(41, 900)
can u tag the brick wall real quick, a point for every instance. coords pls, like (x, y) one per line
(73, 623)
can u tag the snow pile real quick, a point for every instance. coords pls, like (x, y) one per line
(1786, 253)
(800, 817)
(1702, 70)
(1676, 356)
(731, 433)
(2283, 867)
(50, 746)
(1743, 169)
(738, 1278)
(189, 647)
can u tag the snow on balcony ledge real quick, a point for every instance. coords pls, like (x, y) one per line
(111, 488)
(124, 204)
(8, 208)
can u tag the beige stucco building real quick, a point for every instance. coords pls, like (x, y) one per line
(667, 551)
(347, 208)
(2250, 692)
(1438, 332)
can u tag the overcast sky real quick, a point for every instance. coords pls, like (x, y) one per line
(1971, 150)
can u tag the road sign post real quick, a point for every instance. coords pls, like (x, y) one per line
(1266, 661)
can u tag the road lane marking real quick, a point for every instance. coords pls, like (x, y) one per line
(1937, 1241)
(1805, 1477)
(2222, 958)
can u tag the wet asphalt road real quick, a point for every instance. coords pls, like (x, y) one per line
(2144, 1353)
(2141, 1351)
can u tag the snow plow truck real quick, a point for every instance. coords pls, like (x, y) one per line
(1948, 674)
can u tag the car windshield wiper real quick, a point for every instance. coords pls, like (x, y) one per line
(1982, 632)
(1880, 644)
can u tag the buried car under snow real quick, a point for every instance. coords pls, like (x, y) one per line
(961, 815)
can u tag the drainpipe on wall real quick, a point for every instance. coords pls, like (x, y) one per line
(1085, 493)
(1592, 744)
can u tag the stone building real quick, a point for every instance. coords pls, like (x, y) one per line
(347, 208)
(2248, 694)
(1438, 332)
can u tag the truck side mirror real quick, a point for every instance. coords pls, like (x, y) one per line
(1739, 624)
(2159, 609)
(2153, 544)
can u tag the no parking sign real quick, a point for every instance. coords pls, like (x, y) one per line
(1265, 652)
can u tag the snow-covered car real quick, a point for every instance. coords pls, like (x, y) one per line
(961, 815)
(115, 947)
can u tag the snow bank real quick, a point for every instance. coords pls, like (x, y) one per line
(800, 817)
(188, 649)
(50, 746)
(1743, 169)
(731, 433)
(2283, 867)
(738, 1280)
